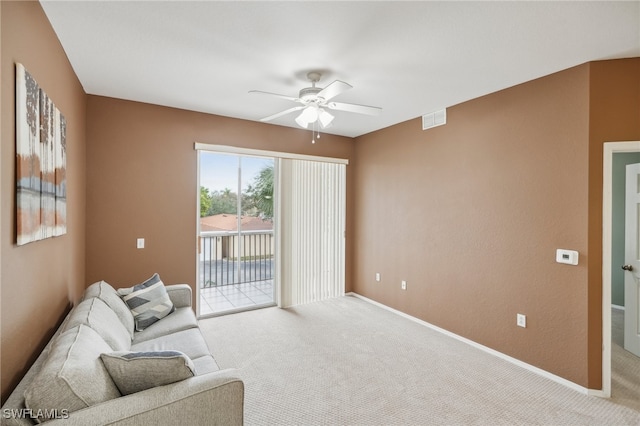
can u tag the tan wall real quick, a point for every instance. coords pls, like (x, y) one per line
(142, 180)
(471, 214)
(40, 280)
(614, 115)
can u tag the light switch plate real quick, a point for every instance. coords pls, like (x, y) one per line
(140, 243)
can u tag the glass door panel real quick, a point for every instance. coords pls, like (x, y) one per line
(236, 237)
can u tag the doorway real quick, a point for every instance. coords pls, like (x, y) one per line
(236, 242)
(307, 209)
(616, 154)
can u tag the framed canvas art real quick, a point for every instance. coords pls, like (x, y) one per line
(41, 157)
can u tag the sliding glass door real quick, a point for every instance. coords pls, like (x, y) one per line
(236, 241)
(271, 228)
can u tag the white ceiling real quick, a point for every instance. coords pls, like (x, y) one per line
(409, 58)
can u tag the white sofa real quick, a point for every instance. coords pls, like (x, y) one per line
(70, 385)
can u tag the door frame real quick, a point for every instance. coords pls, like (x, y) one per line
(277, 156)
(610, 148)
(238, 152)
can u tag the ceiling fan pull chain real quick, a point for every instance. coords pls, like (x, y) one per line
(314, 132)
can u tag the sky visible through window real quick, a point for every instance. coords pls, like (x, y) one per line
(220, 171)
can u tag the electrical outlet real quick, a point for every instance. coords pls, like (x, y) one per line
(140, 243)
(403, 285)
(378, 276)
(521, 320)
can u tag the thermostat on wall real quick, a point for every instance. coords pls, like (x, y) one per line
(570, 257)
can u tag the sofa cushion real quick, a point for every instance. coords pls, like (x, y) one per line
(109, 295)
(205, 364)
(73, 376)
(136, 371)
(148, 302)
(96, 314)
(180, 319)
(189, 342)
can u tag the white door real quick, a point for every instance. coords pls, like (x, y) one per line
(632, 261)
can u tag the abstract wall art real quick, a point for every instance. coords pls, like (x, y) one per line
(41, 157)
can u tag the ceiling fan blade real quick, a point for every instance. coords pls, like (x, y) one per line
(280, 114)
(289, 98)
(360, 109)
(334, 89)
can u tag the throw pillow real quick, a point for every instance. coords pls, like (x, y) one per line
(73, 376)
(136, 371)
(148, 302)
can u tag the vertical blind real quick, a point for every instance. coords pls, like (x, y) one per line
(313, 230)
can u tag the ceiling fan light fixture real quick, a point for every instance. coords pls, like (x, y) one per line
(301, 121)
(307, 116)
(325, 118)
(310, 114)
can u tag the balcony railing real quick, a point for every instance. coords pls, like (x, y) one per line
(227, 257)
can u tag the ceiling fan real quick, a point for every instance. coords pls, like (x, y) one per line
(314, 102)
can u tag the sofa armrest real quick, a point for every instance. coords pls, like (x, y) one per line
(180, 295)
(210, 399)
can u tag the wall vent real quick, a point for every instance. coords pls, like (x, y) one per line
(434, 119)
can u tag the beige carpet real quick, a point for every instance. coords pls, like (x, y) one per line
(345, 361)
(625, 367)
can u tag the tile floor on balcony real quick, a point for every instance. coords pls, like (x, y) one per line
(234, 296)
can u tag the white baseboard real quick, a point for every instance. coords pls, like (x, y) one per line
(534, 369)
(618, 307)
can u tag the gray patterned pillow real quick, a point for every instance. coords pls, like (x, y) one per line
(136, 371)
(148, 301)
